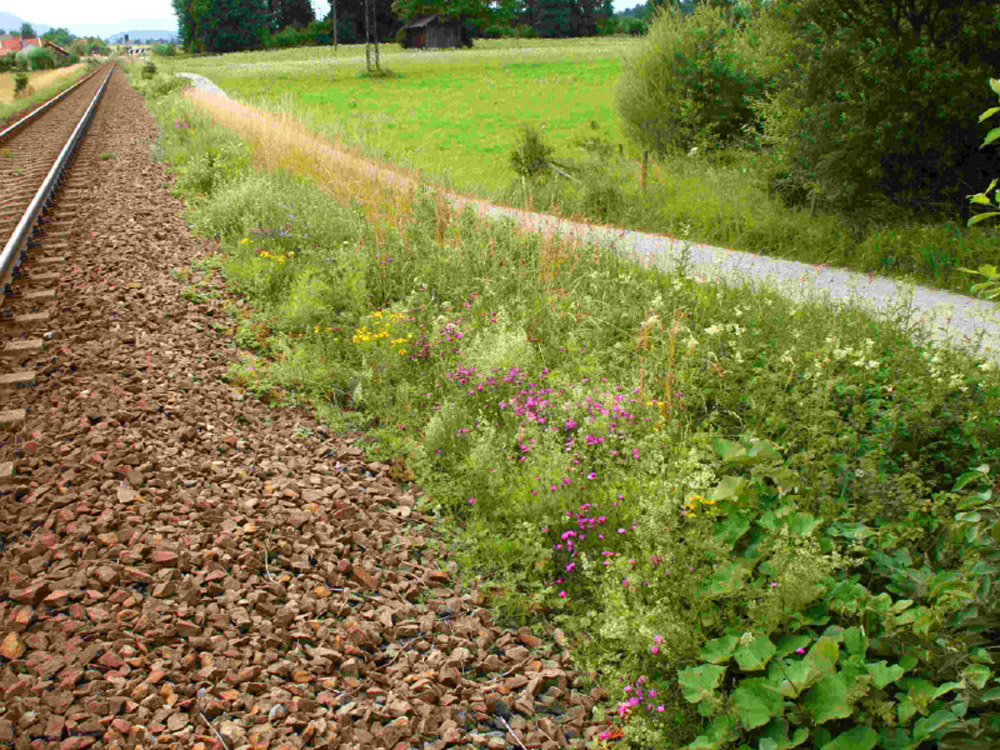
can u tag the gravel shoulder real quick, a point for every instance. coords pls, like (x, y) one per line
(181, 567)
(967, 323)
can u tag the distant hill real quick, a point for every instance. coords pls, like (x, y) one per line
(10, 22)
(142, 36)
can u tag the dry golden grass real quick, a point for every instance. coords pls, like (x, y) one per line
(280, 142)
(385, 193)
(37, 81)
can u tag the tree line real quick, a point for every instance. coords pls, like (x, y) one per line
(216, 26)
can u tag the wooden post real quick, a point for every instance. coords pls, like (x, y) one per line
(621, 151)
(642, 171)
(333, 5)
(812, 204)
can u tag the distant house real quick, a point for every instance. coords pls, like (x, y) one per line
(433, 32)
(24, 46)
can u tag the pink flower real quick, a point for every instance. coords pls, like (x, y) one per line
(655, 650)
(800, 650)
(562, 594)
(657, 639)
(472, 501)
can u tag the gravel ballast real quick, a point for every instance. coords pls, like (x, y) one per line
(185, 568)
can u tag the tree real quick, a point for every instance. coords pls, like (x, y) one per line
(872, 97)
(27, 31)
(60, 36)
(295, 13)
(351, 20)
(690, 82)
(479, 13)
(221, 25)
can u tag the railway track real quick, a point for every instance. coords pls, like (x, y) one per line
(36, 215)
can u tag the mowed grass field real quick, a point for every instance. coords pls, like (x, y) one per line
(454, 114)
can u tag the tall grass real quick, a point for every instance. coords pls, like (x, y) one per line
(42, 85)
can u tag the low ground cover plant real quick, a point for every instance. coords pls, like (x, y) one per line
(764, 524)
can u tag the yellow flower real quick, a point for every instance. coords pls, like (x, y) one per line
(245, 240)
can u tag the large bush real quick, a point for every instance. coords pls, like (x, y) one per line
(690, 83)
(872, 98)
(41, 59)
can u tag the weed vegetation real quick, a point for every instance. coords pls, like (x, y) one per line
(762, 524)
(42, 85)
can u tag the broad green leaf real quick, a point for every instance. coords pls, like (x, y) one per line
(924, 728)
(803, 524)
(882, 674)
(981, 217)
(860, 737)
(728, 488)
(777, 732)
(824, 654)
(698, 683)
(991, 695)
(968, 476)
(827, 700)
(732, 528)
(727, 449)
(726, 580)
(718, 650)
(798, 677)
(766, 743)
(989, 113)
(991, 136)
(902, 604)
(995, 85)
(716, 736)
(788, 643)
(978, 675)
(897, 738)
(756, 654)
(980, 199)
(855, 641)
(757, 701)
(905, 710)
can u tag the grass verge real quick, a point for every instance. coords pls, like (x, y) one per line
(42, 85)
(763, 524)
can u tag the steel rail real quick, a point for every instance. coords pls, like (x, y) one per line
(15, 251)
(10, 130)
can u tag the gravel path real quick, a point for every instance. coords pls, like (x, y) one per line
(180, 567)
(963, 322)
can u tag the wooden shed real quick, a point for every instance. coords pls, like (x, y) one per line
(433, 32)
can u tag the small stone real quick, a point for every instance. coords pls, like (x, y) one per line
(11, 648)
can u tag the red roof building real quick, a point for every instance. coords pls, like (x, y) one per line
(16, 44)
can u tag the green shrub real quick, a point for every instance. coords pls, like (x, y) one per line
(41, 58)
(531, 155)
(165, 50)
(872, 98)
(20, 83)
(690, 82)
(149, 70)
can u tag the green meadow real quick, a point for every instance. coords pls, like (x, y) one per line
(452, 114)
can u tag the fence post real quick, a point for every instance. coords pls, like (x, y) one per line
(642, 171)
